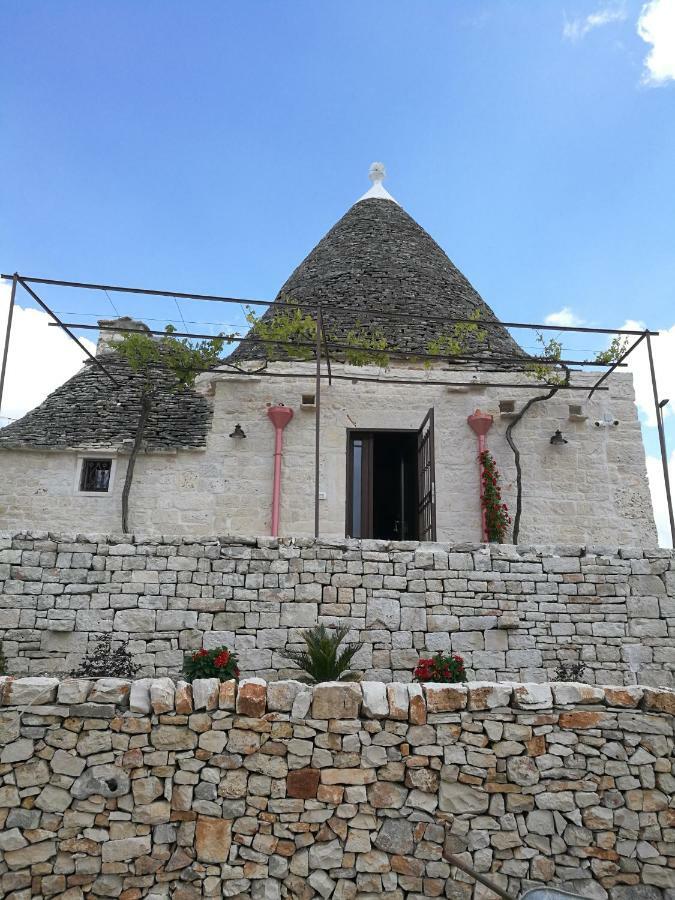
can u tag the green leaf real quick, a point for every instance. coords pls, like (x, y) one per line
(320, 661)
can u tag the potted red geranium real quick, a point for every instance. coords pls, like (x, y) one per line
(441, 669)
(218, 663)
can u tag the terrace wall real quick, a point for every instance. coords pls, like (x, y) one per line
(513, 613)
(155, 789)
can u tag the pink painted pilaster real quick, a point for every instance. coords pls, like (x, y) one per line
(280, 416)
(480, 423)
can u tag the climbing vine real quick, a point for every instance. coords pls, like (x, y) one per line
(497, 517)
(455, 342)
(287, 326)
(550, 369)
(181, 357)
(294, 333)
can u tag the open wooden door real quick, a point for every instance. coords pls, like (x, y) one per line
(426, 480)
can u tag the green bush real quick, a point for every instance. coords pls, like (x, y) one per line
(102, 661)
(321, 660)
(217, 663)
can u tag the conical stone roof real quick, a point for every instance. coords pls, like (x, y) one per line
(375, 262)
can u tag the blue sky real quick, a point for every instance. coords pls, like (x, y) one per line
(208, 147)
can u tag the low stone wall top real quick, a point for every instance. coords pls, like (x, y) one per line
(513, 613)
(111, 788)
(329, 700)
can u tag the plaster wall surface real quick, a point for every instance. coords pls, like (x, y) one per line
(592, 489)
(512, 613)
(258, 791)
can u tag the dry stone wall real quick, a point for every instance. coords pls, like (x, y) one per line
(158, 789)
(513, 613)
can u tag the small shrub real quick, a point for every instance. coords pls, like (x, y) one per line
(102, 661)
(569, 671)
(440, 668)
(321, 661)
(217, 663)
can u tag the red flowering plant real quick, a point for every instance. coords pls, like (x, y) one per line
(443, 669)
(497, 518)
(217, 663)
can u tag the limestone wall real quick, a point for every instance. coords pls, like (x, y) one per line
(512, 613)
(592, 489)
(155, 789)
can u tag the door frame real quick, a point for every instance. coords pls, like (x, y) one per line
(366, 483)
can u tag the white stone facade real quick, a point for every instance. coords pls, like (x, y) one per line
(591, 490)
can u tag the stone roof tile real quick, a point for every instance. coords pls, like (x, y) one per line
(89, 412)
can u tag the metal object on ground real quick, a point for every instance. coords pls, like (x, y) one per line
(549, 894)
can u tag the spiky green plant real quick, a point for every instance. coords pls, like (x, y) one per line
(323, 660)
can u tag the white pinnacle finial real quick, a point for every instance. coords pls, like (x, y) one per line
(377, 173)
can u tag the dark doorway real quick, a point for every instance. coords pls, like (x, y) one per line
(390, 491)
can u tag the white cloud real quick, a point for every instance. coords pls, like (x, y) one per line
(564, 316)
(656, 26)
(655, 473)
(40, 358)
(663, 348)
(576, 29)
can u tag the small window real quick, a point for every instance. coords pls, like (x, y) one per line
(95, 475)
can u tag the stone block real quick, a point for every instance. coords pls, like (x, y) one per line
(336, 700)
(302, 783)
(73, 691)
(571, 693)
(205, 693)
(299, 615)
(125, 849)
(139, 696)
(625, 697)
(110, 690)
(375, 705)
(532, 696)
(659, 701)
(382, 612)
(488, 695)
(252, 697)
(29, 691)
(103, 781)
(398, 699)
(459, 799)
(162, 695)
(523, 659)
(647, 628)
(176, 619)
(135, 621)
(445, 697)
(282, 694)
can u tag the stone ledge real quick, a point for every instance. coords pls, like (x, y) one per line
(496, 551)
(254, 697)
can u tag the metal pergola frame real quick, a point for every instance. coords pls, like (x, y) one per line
(322, 346)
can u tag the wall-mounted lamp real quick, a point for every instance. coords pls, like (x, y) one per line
(558, 437)
(238, 432)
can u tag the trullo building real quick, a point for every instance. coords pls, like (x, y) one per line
(398, 446)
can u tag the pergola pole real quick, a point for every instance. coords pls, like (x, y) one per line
(8, 331)
(317, 419)
(662, 441)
